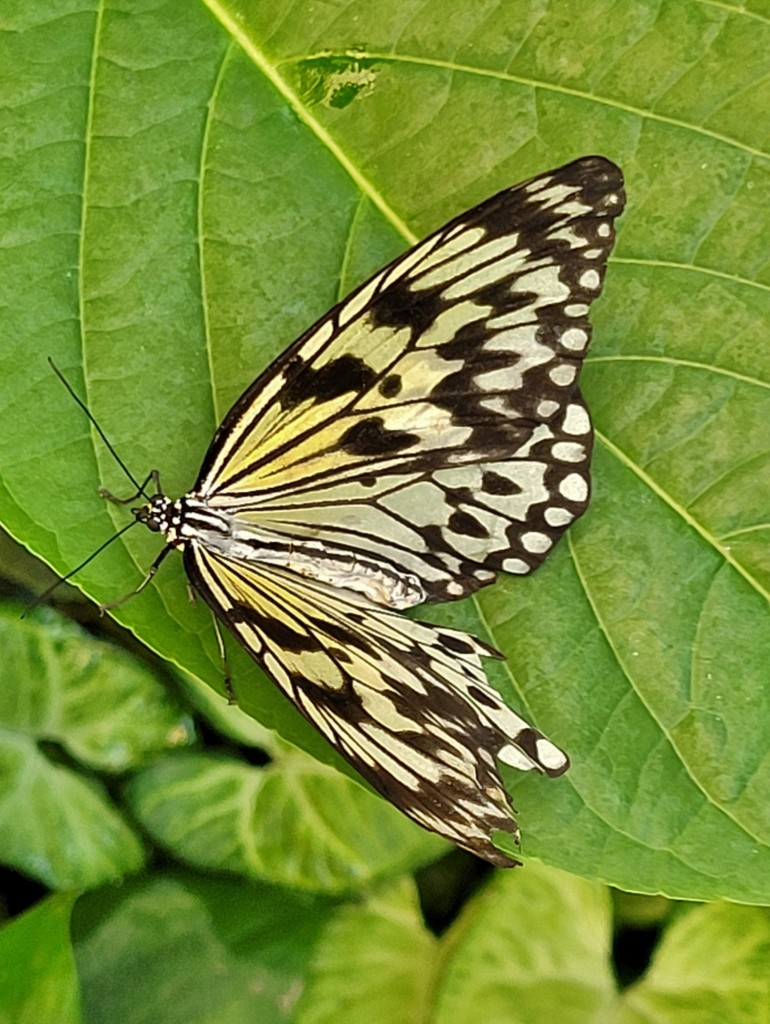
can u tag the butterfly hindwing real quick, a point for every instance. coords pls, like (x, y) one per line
(407, 703)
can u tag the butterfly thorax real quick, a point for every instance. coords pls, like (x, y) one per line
(192, 520)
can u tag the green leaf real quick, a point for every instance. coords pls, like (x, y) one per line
(188, 189)
(536, 940)
(104, 707)
(534, 945)
(295, 823)
(190, 950)
(228, 719)
(531, 946)
(38, 983)
(710, 967)
(375, 962)
(70, 698)
(644, 912)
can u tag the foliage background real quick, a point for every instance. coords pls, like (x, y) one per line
(187, 186)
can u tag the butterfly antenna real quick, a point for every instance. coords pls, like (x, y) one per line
(46, 594)
(139, 487)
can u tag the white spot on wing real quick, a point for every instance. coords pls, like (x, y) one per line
(461, 237)
(542, 432)
(549, 755)
(576, 420)
(563, 375)
(569, 236)
(357, 302)
(496, 404)
(536, 542)
(547, 408)
(558, 516)
(544, 282)
(516, 758)
(317, 340)
(531, 353)
(542, 184)
(516, 565)
(590, 280)
(382, 709)
(449, 261)
(568, 451)
(483, 277)
(449, 321)
(573, 208)
(574, 487)
(409, 261)
(574, 338)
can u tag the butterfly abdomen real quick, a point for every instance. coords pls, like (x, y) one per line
(193, 520)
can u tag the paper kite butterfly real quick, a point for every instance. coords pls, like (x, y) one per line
(424, 435)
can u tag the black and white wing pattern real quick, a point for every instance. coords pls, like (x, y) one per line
(432, 419)
(406, 703)
(425, 434)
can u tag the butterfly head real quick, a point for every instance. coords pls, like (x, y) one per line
(161, 515)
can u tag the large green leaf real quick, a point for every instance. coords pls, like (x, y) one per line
(38, 982)
(533, 945)
(188, 189)
(295, 822)
(710, 967)
(187, 949)
(70, 706)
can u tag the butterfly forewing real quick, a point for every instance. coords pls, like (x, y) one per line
(423, 435)
(464, 351)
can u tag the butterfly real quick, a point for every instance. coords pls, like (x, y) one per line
(424, 435)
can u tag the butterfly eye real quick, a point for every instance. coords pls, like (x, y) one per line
(148, 515)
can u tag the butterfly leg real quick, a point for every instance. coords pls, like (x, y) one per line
(153, 477)
(227, 678)
(137, 590)
(231, 698)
